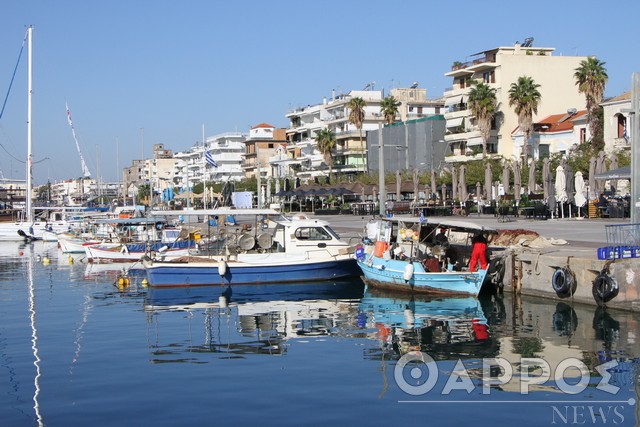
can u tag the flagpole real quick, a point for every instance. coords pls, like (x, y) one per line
(204, 168)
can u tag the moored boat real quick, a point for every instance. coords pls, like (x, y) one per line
(410, 255)
(275, 249)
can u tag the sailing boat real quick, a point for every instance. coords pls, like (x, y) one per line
(28, 228)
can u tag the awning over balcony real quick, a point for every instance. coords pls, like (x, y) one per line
(474, 141)
(454, 100)
(454, 123)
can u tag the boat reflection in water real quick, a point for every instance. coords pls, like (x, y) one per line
(445, 328)
(246, 319)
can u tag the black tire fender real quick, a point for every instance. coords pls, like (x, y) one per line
(564, 282)
(605, 288)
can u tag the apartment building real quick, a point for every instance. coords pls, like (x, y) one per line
(499, 68)
(260, 147)
(414, 103)
(227, 150)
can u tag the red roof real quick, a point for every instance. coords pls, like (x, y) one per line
(558, 122)
(263, 125)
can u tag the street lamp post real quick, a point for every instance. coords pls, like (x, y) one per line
(382, 193)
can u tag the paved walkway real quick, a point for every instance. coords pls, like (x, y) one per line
(579, 233)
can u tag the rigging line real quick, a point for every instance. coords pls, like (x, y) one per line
(4, 104)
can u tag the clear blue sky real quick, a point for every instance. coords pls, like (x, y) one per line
(170, 67)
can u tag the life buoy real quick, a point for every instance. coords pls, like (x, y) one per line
(605, 288)
(564, 282)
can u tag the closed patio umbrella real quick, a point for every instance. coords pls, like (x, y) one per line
(570, 185)
(601, 167)
(561, 188)
(593, 194)
(488, 184)
(462, 184)
(398, 185)
(517, 180)
(581, 191)
(546, 179)
(532, 177)
(454, 183)
(505, 177)
(444, 193)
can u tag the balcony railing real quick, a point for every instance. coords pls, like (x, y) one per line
(622, 142)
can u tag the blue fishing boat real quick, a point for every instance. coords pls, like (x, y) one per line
(261, 246)
(423, 255)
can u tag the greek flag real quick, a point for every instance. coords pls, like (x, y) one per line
(209, 158)
(422, 218)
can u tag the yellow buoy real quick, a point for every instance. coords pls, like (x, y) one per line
(70, 260)
(46, 261)
(144, 282)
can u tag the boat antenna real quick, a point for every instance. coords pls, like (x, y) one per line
(85, 169)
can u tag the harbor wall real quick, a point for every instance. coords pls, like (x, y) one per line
(530, 272)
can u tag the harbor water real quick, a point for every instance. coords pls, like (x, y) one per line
(80, 347)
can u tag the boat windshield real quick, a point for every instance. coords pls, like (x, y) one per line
(332, 232)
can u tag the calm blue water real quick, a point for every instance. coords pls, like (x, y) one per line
(78, 350)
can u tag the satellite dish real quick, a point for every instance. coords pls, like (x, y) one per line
(414, 85)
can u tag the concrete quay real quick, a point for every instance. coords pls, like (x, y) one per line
(529, 268)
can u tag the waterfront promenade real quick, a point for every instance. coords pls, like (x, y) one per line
(578, 233)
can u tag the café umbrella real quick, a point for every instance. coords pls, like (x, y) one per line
(505, 177)
(517, 180)
(581, 191)
(488, 184)
(532, 177)
(561, 188)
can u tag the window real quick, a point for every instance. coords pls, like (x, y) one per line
(583, 135)
(312, 233)
(622, 126)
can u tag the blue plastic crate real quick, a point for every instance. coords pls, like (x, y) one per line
(617, 252)
(608, 252)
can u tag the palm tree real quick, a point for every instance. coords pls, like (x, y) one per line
(356, 116)
(389, 108)
(525, 97)
(483, 105)
(326, 140)
(591, 78)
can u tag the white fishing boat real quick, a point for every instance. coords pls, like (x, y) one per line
(274, 249)
(134, 238)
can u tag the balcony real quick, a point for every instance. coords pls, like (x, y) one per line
(622, 142)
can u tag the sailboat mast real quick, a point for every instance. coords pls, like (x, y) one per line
(29, 148)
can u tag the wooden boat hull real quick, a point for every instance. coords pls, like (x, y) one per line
(390, 274)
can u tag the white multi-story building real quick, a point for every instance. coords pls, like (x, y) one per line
(499, 68)
(227, 150)
(305, 160)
